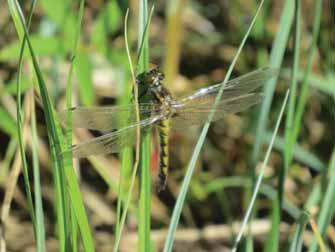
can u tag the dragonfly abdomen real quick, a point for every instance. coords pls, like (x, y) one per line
(164, 129)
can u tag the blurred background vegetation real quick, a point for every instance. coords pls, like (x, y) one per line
(194, 42)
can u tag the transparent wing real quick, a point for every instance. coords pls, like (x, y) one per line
(107, 118)
(238, 95)
(111, 142)
(188, 116)
(233, 88)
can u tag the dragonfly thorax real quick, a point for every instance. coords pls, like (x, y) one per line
(151, 85)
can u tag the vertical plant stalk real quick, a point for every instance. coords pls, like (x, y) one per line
(327, 208)
(138, 133)
(69, 88)
(145, 175)
(40, 230)
(289, 142)
(16, 19)
(276, 57)
(317, 235)
(294, 124)
(304, 84)
(297, 241)
(138, 136)
(126, 156)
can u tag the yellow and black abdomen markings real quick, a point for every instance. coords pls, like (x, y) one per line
(163, 129)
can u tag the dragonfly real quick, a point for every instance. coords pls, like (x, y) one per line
(159, 109)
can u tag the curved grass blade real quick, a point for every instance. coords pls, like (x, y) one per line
(276, 57)
(60, 169)
(126, 156)
(327, 208)
(317, 236)
(260, 176)
(304, 86)
(296, 244)
(294, 124)
(40, 235)
(220, 184)
(289, 144)
(69, 89)
(145, 211)
(16, 12)
(299, 154)
(190, 169)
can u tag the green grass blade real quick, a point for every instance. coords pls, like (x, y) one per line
(78, 214)
(272, 240)
(40, 230)
(260, 176)
(304, 86)
(7, 123)
(314, 197)
(327, 208)
(79, 209)
(133, 177)
(15, 13)
(124, 186)
(297, 241)
(317, 236)
(74, 231)
(46, 102)
(69, 88)
(142, 39)
(84, 74)
(47, 46)
(219, 184)
(144, 216)
(55, 139)
(293, 124)
(299, 154)
(276, 57)
(127, 175)
(318, 82)
(289, 142)
(190, 169)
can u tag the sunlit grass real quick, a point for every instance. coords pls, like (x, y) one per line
(64, 175)
(71, 219)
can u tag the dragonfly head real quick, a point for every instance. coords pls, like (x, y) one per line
(150, 81)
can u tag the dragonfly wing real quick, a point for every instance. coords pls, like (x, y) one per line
(111, 142)
(233, 88)
(188, 116)
(106, 118)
